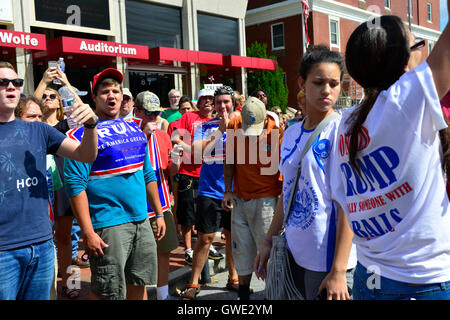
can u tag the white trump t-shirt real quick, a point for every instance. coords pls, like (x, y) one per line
(398, 208)
(311, 226)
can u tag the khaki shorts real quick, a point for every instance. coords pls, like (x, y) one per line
(170, 240)
(250, 221)
(130, 258)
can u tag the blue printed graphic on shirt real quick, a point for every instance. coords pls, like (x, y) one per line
(211, 182)
(321, 151)
(24, 198)
(304, 206)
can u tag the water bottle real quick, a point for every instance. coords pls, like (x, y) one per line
(62, 66)
(68, 101)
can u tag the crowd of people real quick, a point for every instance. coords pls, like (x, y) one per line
(366, 198)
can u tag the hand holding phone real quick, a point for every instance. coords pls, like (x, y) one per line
(54, 64)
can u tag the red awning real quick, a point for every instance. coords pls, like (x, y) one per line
(158, 54)
(103, 48)
(16, 39)
(249, 62)
(55, 50)
(95, 47)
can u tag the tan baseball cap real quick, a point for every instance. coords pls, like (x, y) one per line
(149, 101)
(127, 92)
(253, 116)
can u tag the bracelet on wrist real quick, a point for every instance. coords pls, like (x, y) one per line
(160, 216)
(268, 241)
(91, 126)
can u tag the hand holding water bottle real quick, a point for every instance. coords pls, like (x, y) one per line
(77, 113)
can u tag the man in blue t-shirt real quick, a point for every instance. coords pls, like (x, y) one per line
(109, 199)
(26, 245)
(210, 139)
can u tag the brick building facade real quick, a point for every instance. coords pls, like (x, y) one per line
(278, 23)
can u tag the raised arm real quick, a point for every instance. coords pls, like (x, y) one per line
(49, 75)
(439, 60)
(86, 151)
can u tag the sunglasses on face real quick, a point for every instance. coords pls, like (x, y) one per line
(419, 44)
(51, 96)
(126, 98)
(16, 82)
(152, 113)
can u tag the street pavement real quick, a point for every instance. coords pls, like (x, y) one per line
(216, 290)
(179, 274)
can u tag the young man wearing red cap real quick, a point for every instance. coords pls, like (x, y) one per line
(26, 237)
(189, 171)
(109, 198)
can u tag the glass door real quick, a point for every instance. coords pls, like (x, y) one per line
(158, 83)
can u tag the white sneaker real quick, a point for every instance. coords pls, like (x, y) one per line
(188, 254)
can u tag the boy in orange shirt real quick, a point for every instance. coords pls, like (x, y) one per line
(252, 169)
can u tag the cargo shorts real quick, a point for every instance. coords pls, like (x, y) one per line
(129, 259)
(250, 221)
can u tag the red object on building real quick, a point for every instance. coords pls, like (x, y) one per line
(158, 54)
(16, 39)
(94, 52)
(103, 48)
(250, 62)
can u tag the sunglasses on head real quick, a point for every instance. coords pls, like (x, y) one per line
(152, 113)
(51, 96)
(16, 82)
(419, 44)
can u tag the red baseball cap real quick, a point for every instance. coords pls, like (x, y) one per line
(107, 73)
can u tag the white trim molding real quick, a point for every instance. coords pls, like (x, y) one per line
(338, 31)
(273, 12)
(272, 38)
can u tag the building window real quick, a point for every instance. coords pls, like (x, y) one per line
(387, 4)
(334, 33)
(89, 14)
(277, 36)
(145, 26)
(217, 34)
(429, 12)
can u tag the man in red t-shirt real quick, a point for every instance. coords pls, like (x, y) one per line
(165, 161)
(190, 166)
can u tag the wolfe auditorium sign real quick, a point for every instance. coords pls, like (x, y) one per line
(83, 13)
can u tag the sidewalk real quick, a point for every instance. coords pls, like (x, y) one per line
(179, 274)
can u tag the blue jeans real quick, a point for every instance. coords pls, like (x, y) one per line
(75, 236)
(368, 286)
(27, 272)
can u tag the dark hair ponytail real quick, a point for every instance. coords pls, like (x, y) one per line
(371, 63)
